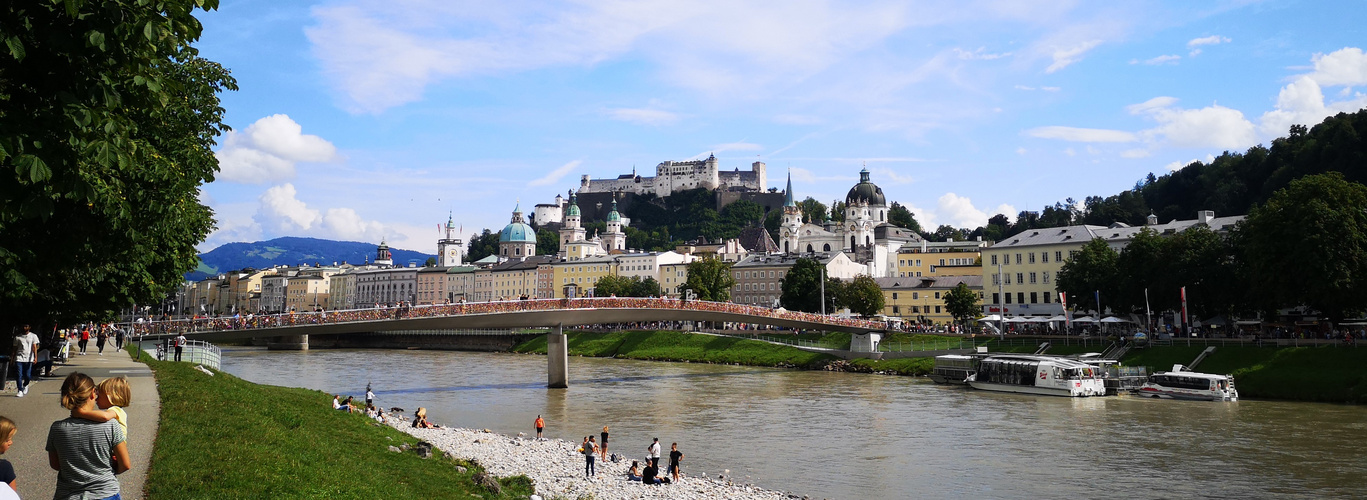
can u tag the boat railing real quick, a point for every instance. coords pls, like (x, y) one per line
(927, 345)
(1221, 342)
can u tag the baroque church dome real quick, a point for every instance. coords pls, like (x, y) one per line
(517, 231)
(865, 191)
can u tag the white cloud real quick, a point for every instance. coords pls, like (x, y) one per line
(1023, 87)
(281, 213)
(1212, 126)
(1302, 102)
(267, 151)
(1151, 104)
(1051, 89)
(1070, 152)
(890, 176)
(979, 54)
(642, 116)
(1163, 59)
(958, 211)
(1346, 66)
(1081, 134)
(556, 174)
(1210, 40)
(1064, 56)
(1135, 153)
(1021, 151)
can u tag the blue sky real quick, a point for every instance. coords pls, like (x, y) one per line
(370, 120)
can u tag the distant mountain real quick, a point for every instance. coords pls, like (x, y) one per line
(292, 251)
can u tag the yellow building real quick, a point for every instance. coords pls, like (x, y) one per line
(307, 292)
(922, 300)
(576, 278)
(940, 258)
(510, 280)
(671, 277)
(431, 285)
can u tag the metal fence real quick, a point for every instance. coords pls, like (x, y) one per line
(927, 345)
(1293, 342)
(195, 351)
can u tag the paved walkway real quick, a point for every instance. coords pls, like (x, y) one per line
(35, 413)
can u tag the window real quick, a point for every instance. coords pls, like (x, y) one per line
(1034, 297)
(1020, 297)
(1018, 258)
(937, 295)
(894, 295)
(942, 262)
(895, 310)
(932, 269)
(1046, 297)
(1020, 278)
(1008, 278)
(915, 309)
(1046, 279)
(937, 309)
(996, 279)
(1008, 298)
(1032, 278)
(1044, 256)
(996, 299)
(771, 274)
(1032, 257)
(915, 295)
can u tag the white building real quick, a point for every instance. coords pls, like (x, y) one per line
(674, 176)
(648, 265)
(865, 234)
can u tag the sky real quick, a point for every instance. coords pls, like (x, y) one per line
(370, 121)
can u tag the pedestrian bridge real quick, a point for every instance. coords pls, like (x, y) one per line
(538, 313)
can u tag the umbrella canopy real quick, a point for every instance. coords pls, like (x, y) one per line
(1037, 319)
(1113, 319)
(1084, 319)
(1218, 320)
(991, 317)
(1015, 320)
(1059, 317)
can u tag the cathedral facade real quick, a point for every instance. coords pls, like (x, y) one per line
(865, 234)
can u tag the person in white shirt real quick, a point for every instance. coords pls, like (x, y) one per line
(25, 351)
(654, 449)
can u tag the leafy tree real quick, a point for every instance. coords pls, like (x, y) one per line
(838, 211)
(813, 211)
(482, 245)
(710, 279)
(612, 285)
(1089, 271)
(649, 287)
(107, 123)
(801, 287)
(547, 242)
(948, 233)
(900, 216)
(431, 262)
(1308, 245)
(772, 221)
(742, 214)
(1202, 261)
(962, 303)
(1143, 265)
(862, 295)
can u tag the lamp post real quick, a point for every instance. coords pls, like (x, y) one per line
(823, 290)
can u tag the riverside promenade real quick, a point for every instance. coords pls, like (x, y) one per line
(35, 413)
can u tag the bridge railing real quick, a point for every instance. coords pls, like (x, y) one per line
(257, 321)
(195, 352)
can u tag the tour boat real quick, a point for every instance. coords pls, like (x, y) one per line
(1044, 375)
(1182, 384)
(953, 369)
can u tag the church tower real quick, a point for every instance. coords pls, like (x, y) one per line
(382, 255)
(448, 248)
(614, 238)
(792, 220)
(572, 231)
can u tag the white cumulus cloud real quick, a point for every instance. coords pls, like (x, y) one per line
(267, 151)
(1163, 59)
(1346, 66)
(958, 211)
(282, 213)
(1302, 102)
(1212, 126)
(1065, 56)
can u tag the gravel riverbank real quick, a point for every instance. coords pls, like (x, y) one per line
(558, 470)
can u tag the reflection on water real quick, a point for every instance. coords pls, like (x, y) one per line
(849, 436)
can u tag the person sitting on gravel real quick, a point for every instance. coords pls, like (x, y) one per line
(635, 473)
(420, 420)
(648, 475)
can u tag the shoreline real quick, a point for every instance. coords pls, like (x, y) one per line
(558, 470)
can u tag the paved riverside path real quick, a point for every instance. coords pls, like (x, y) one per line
(35, 413)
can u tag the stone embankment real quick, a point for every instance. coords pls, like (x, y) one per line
(558, 470)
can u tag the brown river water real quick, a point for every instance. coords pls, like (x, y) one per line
(856, 436)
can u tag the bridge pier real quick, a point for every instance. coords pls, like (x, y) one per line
(289, 343)
(557, 359)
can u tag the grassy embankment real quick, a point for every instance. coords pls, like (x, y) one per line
(1328, 374)
(679, 346)
(224, 437)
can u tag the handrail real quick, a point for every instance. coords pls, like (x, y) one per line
(194, 351)
(254, 321)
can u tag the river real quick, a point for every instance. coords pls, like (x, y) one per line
(855, 436)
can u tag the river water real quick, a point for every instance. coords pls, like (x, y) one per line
(855, 436)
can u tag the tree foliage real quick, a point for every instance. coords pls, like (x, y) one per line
(482, 245)
(1308, 245)
(106, 130)
(900, 216)
(801, 287)
(547, 242)
(862, 295)
(622, 286)
(813, 211)
(1091, 270)
(710, 279)
(962, 303)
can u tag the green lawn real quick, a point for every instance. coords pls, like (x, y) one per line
(224, 437)
(679, 346)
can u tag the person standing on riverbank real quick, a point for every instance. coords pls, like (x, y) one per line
(180, 345)
(540, 425)
(654, 450)
(603, 448)
(590, 450)
(674, 457)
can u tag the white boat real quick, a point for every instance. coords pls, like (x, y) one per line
(953, 369)
(1045, 375)
(1182, 384)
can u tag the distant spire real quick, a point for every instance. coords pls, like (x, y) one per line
(788, 198)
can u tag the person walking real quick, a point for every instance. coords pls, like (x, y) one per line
(369, 396)
(675, 456)
(590, 451)
(100, 339)
(654, 450)
(540, 425)
(603, 445)
(119, 334)
(25, 353)
(85, 338)
(180, 345)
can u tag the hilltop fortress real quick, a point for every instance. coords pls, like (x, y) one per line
(674, 176)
